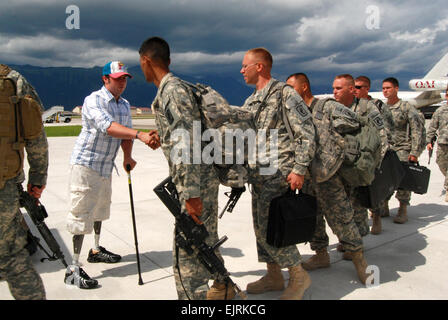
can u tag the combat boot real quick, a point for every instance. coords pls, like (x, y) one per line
(320, 260)
(299, 281)
(221, 291)
(272, 281)
(401, 216)
(360, 265)
(385, 212)
(376, 224)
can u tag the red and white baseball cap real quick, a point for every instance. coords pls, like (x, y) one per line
(115, 69)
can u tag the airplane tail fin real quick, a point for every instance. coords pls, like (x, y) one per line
(440, 70)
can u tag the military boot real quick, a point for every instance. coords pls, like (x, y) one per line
(221, 291)
(401, 216)
(361, 265)
(320, 260)
(386, 212)
(376, 224)
(299, 281)
(272, 281)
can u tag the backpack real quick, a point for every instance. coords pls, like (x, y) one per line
(229, 123)
(20, 119)
(362, 153)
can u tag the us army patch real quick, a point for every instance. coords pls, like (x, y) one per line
(377, 120)
(299, 107)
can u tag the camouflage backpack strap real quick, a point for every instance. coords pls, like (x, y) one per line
(379, 104)
(284, 116)
(319, 104)
(263, 103)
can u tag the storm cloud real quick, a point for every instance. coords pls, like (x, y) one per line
(321, 38)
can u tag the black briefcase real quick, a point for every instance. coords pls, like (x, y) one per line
(416, 178)
(292, 219)
(387, 179)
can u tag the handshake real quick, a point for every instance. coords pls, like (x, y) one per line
(150, 138)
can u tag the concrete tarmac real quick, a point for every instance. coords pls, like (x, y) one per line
(409, 260)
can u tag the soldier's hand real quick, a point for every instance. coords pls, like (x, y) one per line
(35, 191)
(194, 208)
(144, 137)
(295, 181)
(154, 143)
(429, 146)
(412, 158)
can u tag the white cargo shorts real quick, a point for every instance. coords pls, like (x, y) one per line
(90, 199)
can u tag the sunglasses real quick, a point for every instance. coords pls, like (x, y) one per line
(359, 87)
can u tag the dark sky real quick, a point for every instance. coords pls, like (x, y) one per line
(321, 38)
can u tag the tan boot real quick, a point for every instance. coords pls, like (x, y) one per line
(385, 212)
(401, 216)
(320, 260)
(221, 291)
(361, 265)
(299, 281)
(272, 281)
(376, 224)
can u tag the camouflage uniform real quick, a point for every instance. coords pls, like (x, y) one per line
(405, 143)
(175, 108)
(364, 109)
(439, 122)
(329, 188)
(15, 264)
(292, 157)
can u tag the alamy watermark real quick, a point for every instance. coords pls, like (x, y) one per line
(373, 280)
(73, 21)
(233, 146)
(373, 19)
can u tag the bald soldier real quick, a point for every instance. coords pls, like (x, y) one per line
(344, 92)
(294, 158)
(330, 119)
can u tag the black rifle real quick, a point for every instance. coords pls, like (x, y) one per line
(433, 141)
(190, 235)
(234, 195)
(37, 213)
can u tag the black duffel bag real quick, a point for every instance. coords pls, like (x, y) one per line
(387, 179)
(416, 178)
(292, 219)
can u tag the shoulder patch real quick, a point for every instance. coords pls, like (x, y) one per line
(377, 120)
(299, 107)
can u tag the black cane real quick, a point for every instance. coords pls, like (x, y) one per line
(128, 169)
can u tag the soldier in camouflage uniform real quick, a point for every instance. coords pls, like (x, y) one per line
(407, 137)
(15, 264)
(197, 184)
(294, 158)
(331, 119)
(362, 87)
(344, 92)
(438, 129)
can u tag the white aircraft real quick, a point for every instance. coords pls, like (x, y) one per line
(428, 91)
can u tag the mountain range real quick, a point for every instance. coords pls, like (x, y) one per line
(67, 86)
